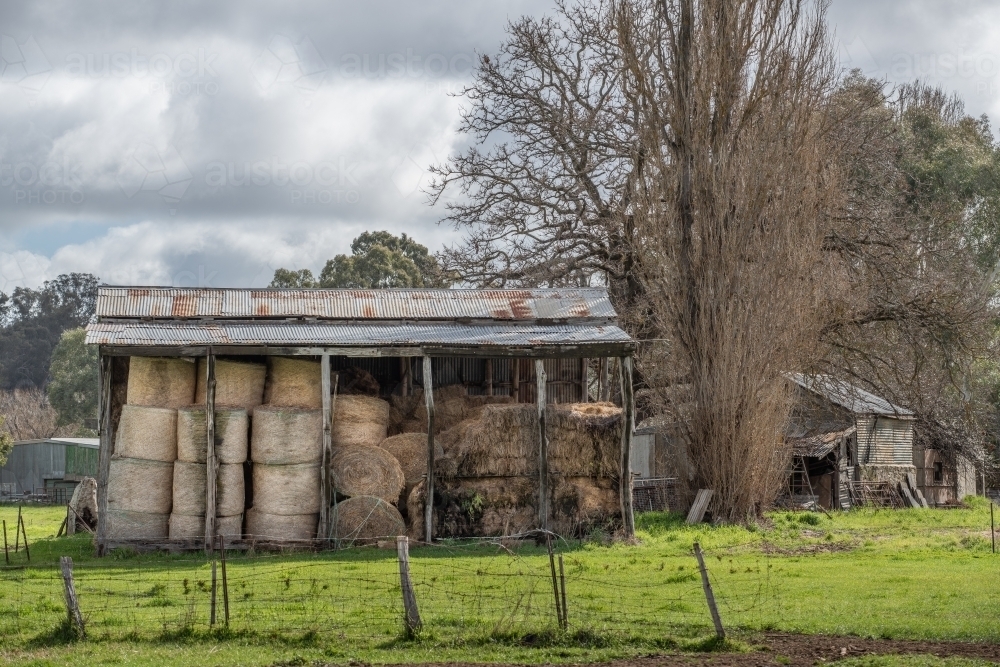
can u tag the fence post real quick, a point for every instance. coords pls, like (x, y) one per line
(72, 604)
(993, 529)
(211, 613)
(6, 553)
(555, 581)
(411, 617)
(719, 630)
(70, 520)
(225, 582)
(17, 531)
(562, 586)
(24, 533)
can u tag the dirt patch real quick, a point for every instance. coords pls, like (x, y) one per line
(807, 549)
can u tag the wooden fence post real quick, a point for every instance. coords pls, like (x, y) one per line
(72, 603)
(324, 473)
(720, 632)
(225, 581)
(411, 616)
(628, 425)
(211, 614)
(555, 581)
(6, 553)
(562, 589)
(211, 464)
(70, 520)
(429, 500)
(17, 531)
(24, 533)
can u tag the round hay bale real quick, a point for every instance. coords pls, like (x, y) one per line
(286, 435)
(189, 488)
(286, 490)
(359, 420)
(230, 527)
(130, 525)
(238, 384)
(138, 485)
(160, 382)
(367, 471)
(230, 496)
(293, 383)
(232, 428)
(410, 450)
(365, 519)
(187, 526)
(264, 526)
(147, 433)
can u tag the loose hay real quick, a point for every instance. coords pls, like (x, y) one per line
(160, 382)
(584, 441)
(147, 433)
(238, 384)
(286, 489)
(286, 435)
(129, 525)
(263, 526)
(452, 405)
(231, 431)
(364, 520)
(138, 485)
(410, 449)
(367, 471)
(359, 420)
(293, 383)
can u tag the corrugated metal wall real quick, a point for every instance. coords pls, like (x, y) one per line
(564, 377)
(81, 461)
(885, 441)
(28, 465)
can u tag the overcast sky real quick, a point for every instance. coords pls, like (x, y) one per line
(210, 143)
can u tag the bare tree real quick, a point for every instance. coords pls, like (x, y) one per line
(27, 415)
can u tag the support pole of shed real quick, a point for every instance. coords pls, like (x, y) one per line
(211, 465)
(429, 500)
(543, 449)
(489, 377)
(628, 424)
(515, 379)
(325, 488)
(604, 388)
(104, 454)
(585, 380)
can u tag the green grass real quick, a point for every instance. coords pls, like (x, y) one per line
(914, 574)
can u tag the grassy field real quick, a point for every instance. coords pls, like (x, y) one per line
(913, 574)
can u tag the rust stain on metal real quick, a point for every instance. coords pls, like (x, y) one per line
(184, 305)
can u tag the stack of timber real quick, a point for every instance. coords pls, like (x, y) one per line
(140, 478)
(487, 481)
(187, 520)
(286, 449)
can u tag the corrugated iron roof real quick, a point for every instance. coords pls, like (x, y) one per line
(846, 395)
(818, 446)
(348, 334)
(572, 305)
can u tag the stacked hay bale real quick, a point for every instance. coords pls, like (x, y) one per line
(238, 384)
(187, 520)
(359, 420)
(286, 449)
(488, 478)
(452, 405)
(140, 479)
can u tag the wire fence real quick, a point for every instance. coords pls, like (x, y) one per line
(468, 592)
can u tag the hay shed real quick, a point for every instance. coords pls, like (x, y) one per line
(529, 346)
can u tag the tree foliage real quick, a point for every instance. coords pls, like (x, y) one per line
(73, 383)
(377, 260)
(32, 322)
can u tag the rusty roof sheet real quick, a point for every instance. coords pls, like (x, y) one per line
(818, 446)
(350, 334)
(570, 305)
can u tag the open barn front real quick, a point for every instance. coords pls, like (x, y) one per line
(324, 418)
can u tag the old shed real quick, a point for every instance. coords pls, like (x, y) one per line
(544, 346)
(48, 469)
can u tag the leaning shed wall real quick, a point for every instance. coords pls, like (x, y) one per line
(492, 346)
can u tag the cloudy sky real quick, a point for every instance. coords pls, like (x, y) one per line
(210, 143)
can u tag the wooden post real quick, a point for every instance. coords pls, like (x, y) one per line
(543, 449)
(604, 382)
(70, 520)
(562, 589)
(515, 379)
(324, 482)
(429, 500)
(993, 529)
(555, 580)
(628, 419)
(17, 531)
(489, 377)
(211, 465)
(411, 614)
(404, 376)
(104, 453)
(585, 380)
(720, 632)
(72, 603)
(6, 553)
(24, 532)
(225, 581)
(211, 614)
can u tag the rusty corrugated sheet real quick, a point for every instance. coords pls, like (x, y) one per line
(347, 334)
(590, 304)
